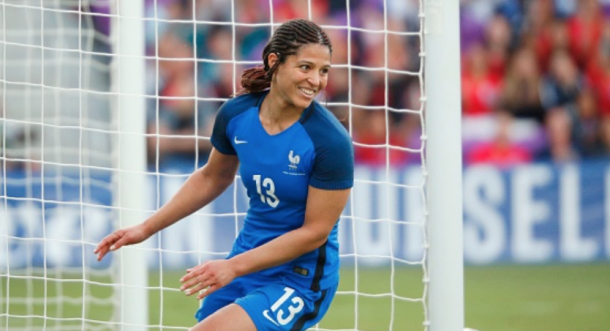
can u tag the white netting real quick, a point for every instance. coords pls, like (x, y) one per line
(59, 129)
(56, 143)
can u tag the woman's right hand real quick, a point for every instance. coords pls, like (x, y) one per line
(119, 238)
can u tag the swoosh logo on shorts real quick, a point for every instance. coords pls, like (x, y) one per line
(267, 316)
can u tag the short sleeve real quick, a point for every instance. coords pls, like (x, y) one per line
(334, 163)
(219, 139)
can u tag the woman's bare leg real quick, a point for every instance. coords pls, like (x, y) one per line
(229, 318)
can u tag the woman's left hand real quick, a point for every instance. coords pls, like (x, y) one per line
(209, 277)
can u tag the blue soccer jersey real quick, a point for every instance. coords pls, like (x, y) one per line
(277, 171)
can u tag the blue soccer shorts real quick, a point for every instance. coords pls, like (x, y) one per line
(271, 304)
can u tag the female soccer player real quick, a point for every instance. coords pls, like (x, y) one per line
(296, 161)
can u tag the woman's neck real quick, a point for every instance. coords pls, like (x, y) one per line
(276, 115)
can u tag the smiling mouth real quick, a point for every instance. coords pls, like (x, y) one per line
(308, 92)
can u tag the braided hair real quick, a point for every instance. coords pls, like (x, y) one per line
(286, 40)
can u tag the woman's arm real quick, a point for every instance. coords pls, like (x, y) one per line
(323, 209)
(203, 186)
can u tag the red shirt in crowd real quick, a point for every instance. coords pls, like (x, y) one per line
(499, 155)
(585, 37)
(598, 76)
(480, 94)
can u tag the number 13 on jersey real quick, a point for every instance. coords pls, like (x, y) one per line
(269, 196)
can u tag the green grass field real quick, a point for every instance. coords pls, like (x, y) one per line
(498, 298)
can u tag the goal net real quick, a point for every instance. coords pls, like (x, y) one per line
(89, 144)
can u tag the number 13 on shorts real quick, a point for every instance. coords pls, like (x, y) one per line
(281, 314)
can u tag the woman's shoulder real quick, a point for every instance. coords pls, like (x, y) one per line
(244, 101)
(324, 127)
(238, 105)
(325, 119)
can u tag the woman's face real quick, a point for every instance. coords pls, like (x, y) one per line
(302, 76)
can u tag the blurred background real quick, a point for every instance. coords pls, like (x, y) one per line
(535, 91)
(535, 75)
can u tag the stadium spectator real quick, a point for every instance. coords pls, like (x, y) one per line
(211, 71)
(542, 30)
(163, 13)
(598, 76)
(288, 9)
(515, 12)
(480, 85)
(498, 38)
(562, 83)
(501, 151)
(175, 120)
(337, 89)
(561, 147)
(521, 87)
(380, 135)
(586, 125)
(598, 72)
(585, 31)
(210, 10)
(474, 17)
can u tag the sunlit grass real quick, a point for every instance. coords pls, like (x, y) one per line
(498, 298)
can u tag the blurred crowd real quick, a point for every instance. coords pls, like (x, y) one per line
(199, 65)
(535, 75)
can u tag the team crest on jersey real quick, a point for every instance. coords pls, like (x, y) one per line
(293, 166)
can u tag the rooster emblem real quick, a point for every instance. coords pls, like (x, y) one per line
(294, 160)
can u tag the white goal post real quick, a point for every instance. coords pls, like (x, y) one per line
(128, 81)
(444, 163)
(74, 108)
